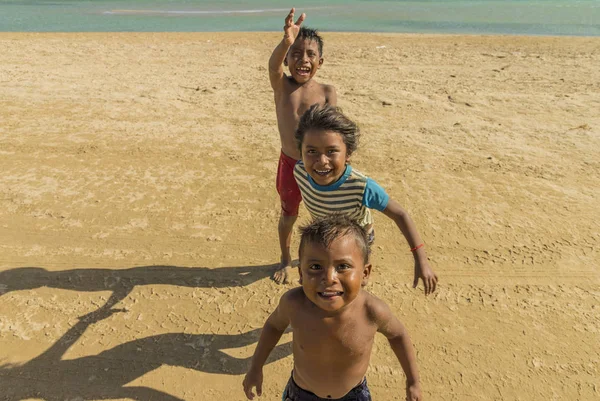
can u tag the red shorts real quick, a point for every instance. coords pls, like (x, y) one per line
(288, 190)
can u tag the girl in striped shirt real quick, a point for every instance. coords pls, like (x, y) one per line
(329, 185)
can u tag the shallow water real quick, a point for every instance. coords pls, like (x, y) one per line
(541, 17)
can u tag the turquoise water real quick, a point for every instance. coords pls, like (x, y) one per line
(541, 17)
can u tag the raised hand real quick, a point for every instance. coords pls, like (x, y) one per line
(290, 28)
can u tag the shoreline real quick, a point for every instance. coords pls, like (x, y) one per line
(324, 32)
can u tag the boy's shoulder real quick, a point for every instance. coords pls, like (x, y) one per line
(291, 301)
(376, 309)
(328, 87)
(293, 296)
(328, 90)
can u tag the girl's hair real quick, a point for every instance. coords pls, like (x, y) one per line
(328, 118)
(325, 230)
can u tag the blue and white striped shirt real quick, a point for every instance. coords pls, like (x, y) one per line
(353, 195)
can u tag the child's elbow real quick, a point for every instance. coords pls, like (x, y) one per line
(400, 216)
(397, 336)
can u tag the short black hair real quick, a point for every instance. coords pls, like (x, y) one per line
(328, 118)
(324, 230)
(313, 35)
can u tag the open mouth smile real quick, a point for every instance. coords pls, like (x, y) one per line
(303, 70)
(330, 294)
(323, 172)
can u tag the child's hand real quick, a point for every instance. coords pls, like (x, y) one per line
(424, 272)
(290, 29)
(253, 378)
(413, 392)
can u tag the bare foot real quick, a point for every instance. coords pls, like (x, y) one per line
(283, 274)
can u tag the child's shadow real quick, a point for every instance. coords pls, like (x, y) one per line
(122, 281)
(104, 376)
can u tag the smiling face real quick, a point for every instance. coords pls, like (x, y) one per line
(303, 60)
(332, 276)
(324, 155)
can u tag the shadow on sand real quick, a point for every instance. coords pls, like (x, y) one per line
(124, 280)
(105, 375)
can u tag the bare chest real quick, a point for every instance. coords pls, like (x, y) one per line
(331, 338)
(297, 100)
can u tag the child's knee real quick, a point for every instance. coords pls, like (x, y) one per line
(286, 220)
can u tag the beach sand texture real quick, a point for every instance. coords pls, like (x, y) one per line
(138, 211)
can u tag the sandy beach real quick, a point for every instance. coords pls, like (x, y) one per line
(138, 211)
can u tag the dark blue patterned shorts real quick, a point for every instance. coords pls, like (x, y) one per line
(294, 393)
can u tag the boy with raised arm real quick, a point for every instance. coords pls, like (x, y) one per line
(333, 319)
(301, 50)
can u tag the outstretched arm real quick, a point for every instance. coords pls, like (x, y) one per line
(290, 31)
(422, 269)
(395, 332)
(271, 333)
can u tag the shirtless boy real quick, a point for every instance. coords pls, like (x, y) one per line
(333, 319)
(301, 50)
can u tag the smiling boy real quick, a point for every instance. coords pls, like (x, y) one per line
(301, 50)
(333, 319)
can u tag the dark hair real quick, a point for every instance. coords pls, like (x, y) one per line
(328, 118)
(313, 35)
(325, 230)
